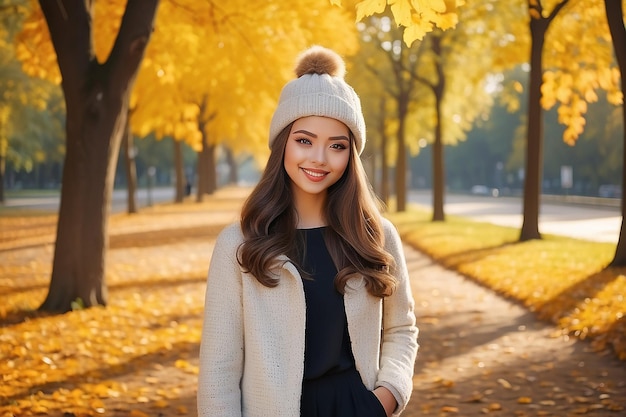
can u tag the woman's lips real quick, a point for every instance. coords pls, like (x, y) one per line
(314, 175)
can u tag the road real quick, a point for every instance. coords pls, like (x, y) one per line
(51, 202)
(589, 222)
(584, 221)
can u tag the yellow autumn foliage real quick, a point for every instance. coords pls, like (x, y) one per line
(213, 69)
(418, 17)
(578, 58)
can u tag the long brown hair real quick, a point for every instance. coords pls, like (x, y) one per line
(354, 236)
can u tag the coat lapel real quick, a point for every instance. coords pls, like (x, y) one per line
(364, 313)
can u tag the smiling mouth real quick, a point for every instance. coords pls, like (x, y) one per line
(314, 174)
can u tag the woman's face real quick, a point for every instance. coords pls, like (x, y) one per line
(316, 154)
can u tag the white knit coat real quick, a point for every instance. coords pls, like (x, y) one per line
(252, 349)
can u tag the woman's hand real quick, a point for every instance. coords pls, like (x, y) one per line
(387, 399)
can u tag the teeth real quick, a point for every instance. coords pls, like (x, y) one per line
(313, 174)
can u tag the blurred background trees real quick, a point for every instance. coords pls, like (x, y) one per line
(505, 79)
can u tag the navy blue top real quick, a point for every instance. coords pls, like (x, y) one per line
(327, 342)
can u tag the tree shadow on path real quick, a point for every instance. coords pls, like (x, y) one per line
(481, 354)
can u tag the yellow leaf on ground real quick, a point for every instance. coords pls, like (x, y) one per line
(446, 383)
(38, 409)
(505, 384)
(495, 407)
(96, 404)
(161, 404)
(181, 364)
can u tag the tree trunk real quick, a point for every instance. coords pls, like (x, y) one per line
(207, 178)
(206, 156)
(384, 166)
(233, 170)
(200, 176)
(2, 169)
(614, 14)
(439, 182)
(4, 144)
(401, 156)
(182, 183)
(128, 143)
(211, 170)
(534, 135)
(533, 173)
(439, 172)
(96, 98)
(38, 171)
(203, 171)
(385, 192)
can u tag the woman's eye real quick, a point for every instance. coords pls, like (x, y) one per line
(304, 141)
(338, 146)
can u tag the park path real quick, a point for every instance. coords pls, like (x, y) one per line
(481, 354)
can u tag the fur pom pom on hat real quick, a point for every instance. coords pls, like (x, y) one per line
(319, 90)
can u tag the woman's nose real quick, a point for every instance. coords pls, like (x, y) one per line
(318, 154)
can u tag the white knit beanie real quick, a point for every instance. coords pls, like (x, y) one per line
(319, 90)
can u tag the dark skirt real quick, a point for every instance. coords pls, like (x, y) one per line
(339, 395)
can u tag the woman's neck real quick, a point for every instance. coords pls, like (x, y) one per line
(310, 210)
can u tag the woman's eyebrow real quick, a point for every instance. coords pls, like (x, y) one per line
(306, 132)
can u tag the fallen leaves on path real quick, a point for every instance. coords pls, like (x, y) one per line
(138, 356)
(481, 354)
(135, 355)
(563, 280)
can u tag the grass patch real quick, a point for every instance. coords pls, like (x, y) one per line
(565, 281)
(31, 193)
(22, 212)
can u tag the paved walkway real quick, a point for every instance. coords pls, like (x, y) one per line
(481, 354)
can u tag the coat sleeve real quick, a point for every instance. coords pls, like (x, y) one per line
(221, 347)
(399, 338)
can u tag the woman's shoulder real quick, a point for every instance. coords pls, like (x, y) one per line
(392, 237)
(388, 227)
(231, 235)
(386, 223)
(233, 228)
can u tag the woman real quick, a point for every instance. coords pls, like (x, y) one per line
(308, 307)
